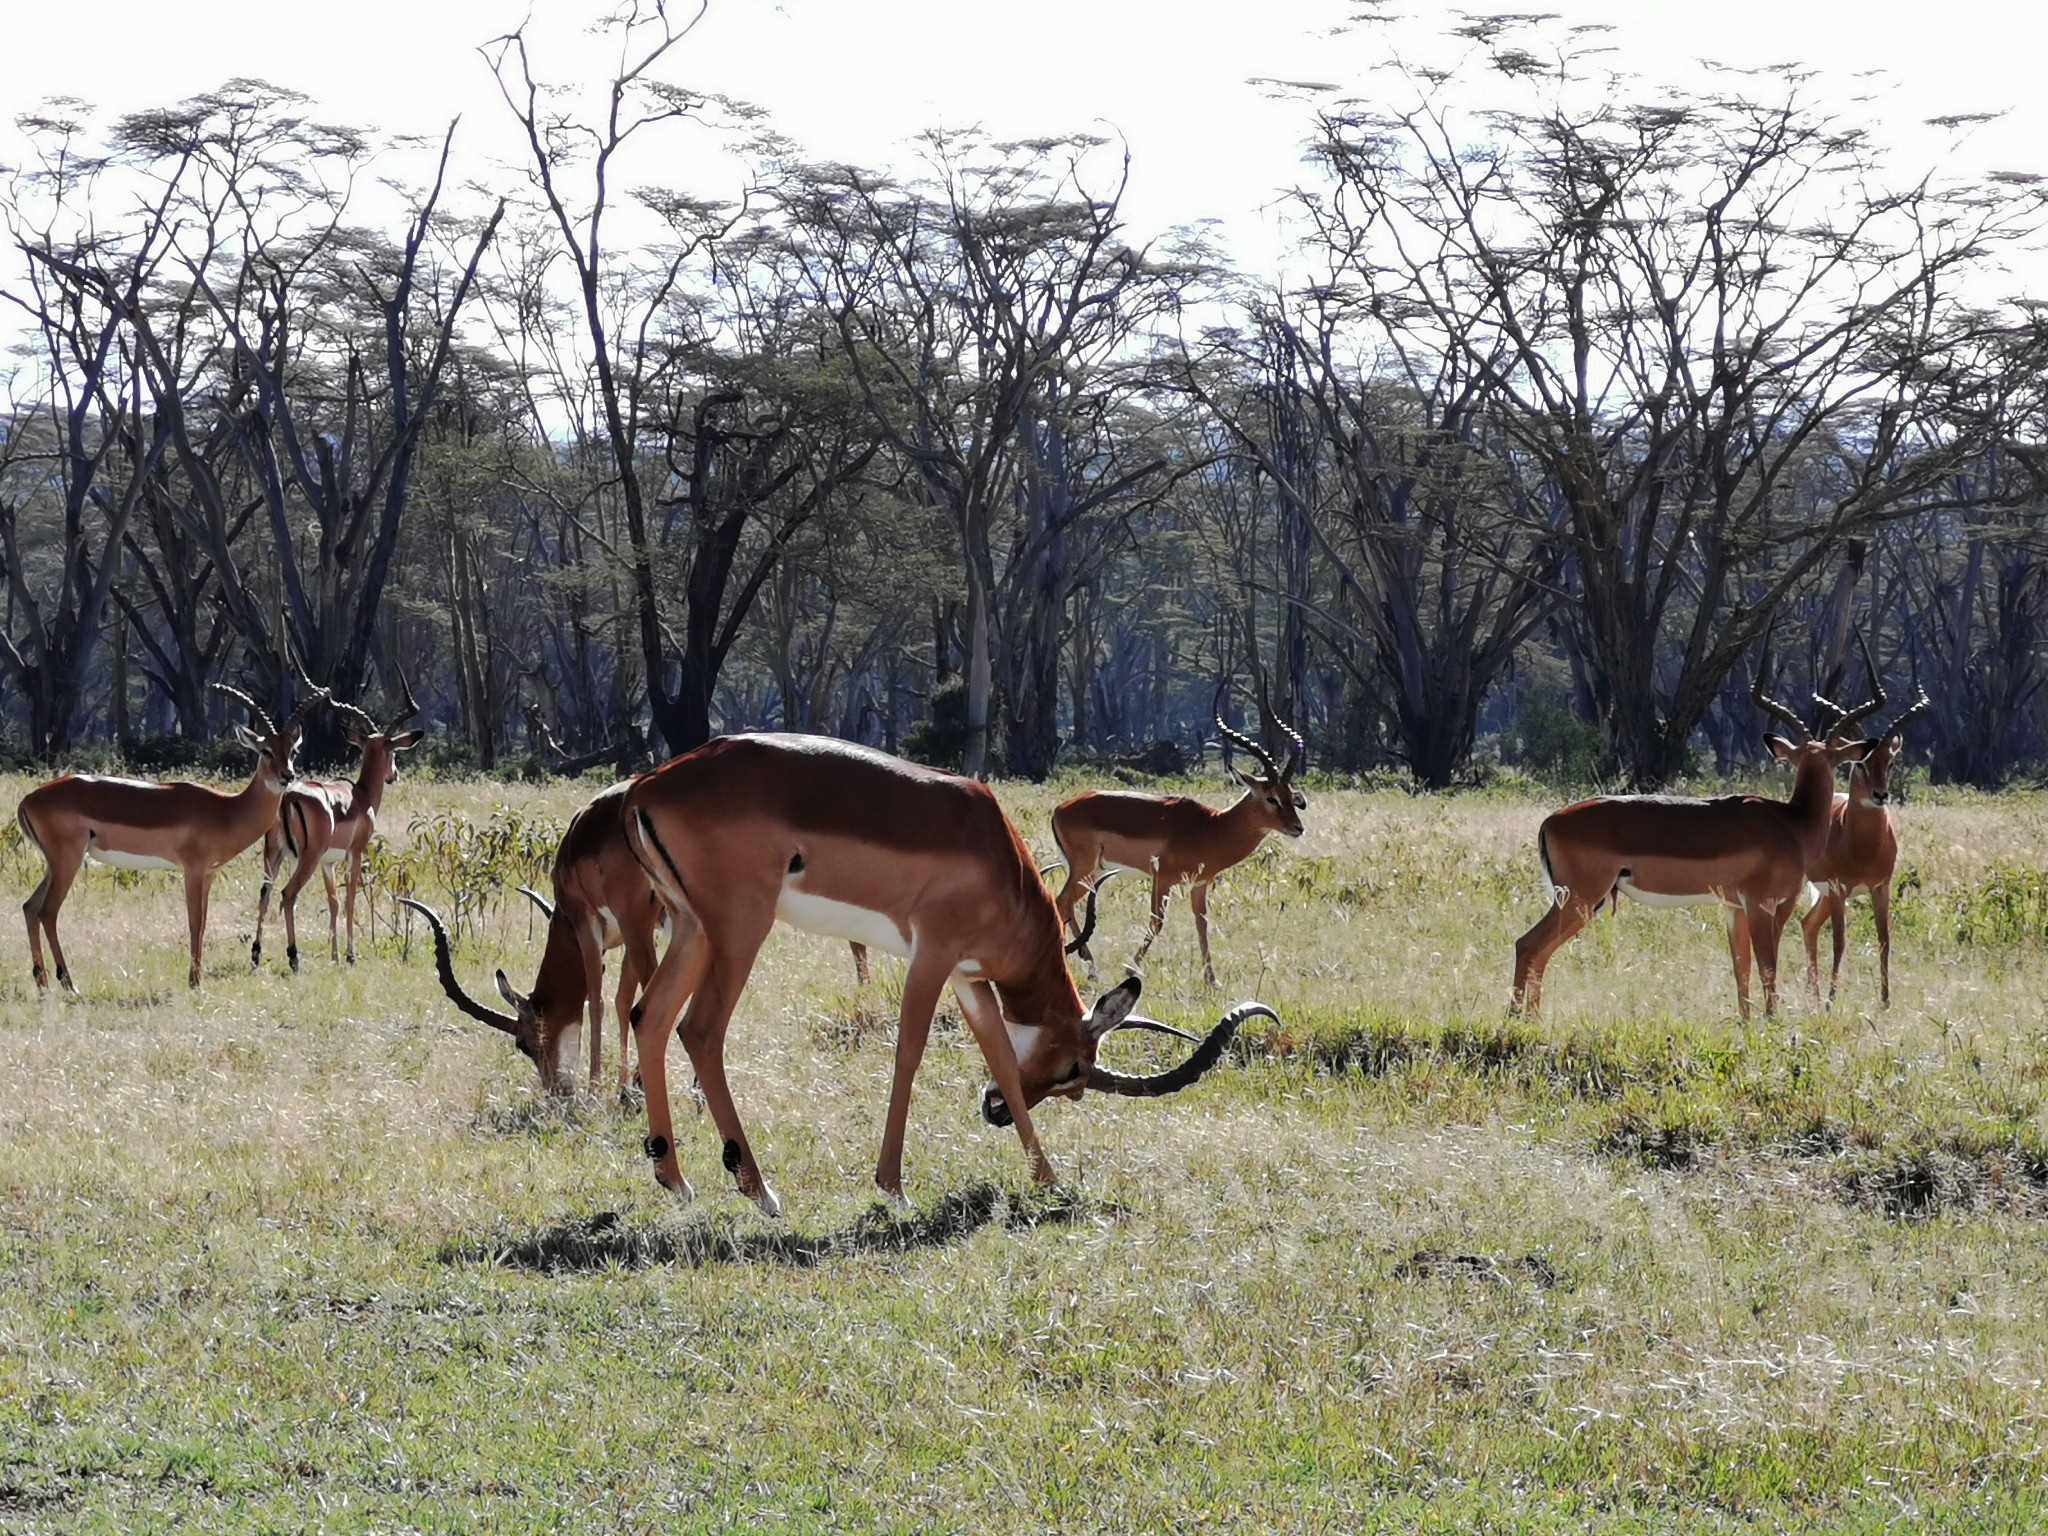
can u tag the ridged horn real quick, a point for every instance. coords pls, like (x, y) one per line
(1088, 922)
(1200, 1060)
(1154, 1026)
(411, 704)
(547, 908)
(257, 713)
(445, 964)
(1771, 706)
(1244, 743)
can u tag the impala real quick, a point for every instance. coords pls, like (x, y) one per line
(1861, 851)
(602, 901)
(326, 822)
(1178, 841)
(841, 840)
(134, 825)
(1746, 853)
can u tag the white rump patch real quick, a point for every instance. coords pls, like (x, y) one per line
(841, 920)
(113, 858)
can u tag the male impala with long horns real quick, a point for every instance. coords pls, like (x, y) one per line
(842, 840)
(324, 823)
(602, 901)
(130, 824)
(1862, 850)
(1745, 853)
(1176, 840)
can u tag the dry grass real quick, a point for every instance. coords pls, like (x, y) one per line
(305, 1252)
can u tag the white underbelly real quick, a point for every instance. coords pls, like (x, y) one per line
(114, 859)
(1668, 898)
(842, 920)
(334, 856)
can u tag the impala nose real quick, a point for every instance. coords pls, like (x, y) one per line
(993, 1109)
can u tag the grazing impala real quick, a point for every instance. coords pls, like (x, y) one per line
(1861, 851)
(602, 901)
(1178, 841)
(842, 840)
(325, 822)
(1746, 853)
(133, 825)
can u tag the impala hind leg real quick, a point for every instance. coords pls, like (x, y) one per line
(723, 967)
(62, 864)
(355, 884)
(333, 916)
(653, 1017)
(1767, 920)
(273, 861)
(1534, 949)
(1809, 931)
(1741, 951)
(1081, 874)
(198, 891)
(1162, 891)
(301, 876)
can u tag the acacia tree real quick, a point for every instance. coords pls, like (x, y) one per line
(1673, 306)
(960, 305)
(76, 451)
(1381, 453)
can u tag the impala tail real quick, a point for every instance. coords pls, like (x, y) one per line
(1551, 889)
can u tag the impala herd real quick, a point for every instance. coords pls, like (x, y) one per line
(710, 850)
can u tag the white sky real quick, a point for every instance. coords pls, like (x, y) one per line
(856, 79)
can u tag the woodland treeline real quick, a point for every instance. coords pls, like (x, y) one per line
(1564, 414)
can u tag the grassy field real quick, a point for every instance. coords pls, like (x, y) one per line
(306, 1253)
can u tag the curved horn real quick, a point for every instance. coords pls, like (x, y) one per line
(1771, 706)
(547, 908)
(446, 966)
(369, 726)
(1087, 923)
(1245, 743)
(412, 706)
(1154, 1026)
(1297, 754)
(1203, 1057)
(1845, 718)
(1919, 704)
(257, 713)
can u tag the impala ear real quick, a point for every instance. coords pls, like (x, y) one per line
(507, 992)
(248, 738)
(1781, 748)
(352, 736)
(406, 739)
(1249, 780)
(1112, 1008)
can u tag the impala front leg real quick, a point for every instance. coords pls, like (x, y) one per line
(985, 1018)
(1198, 903)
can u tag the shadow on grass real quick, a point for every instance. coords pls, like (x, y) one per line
(605, 1241)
